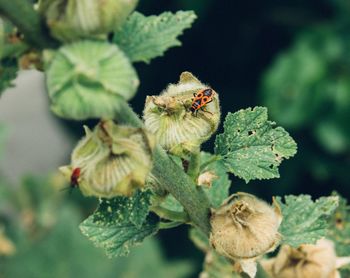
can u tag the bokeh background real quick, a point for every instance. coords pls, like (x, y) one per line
(292, 56)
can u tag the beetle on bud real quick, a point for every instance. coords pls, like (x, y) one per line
(180, 119)
(112, 160)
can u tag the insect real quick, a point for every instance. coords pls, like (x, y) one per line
(200, 99)
(73, 180)
(74, 177)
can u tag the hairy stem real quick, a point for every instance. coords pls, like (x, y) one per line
(172, 178)
(22, 14)
(194, 165)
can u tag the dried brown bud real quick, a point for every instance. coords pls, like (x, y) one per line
(307, 261)
(207, 178)
(245, 227)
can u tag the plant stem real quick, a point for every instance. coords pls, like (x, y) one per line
(175, 181)
(210, 161)
(194, 165)
(22, 14)
(169, 225)
(172, 178)
(171, 215)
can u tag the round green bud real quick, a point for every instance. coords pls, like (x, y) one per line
(180, 119)
(70, 20)
(113, 160)
(86, 79)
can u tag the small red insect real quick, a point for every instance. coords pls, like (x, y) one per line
(73, 180)
(74, 177)
(202, 98)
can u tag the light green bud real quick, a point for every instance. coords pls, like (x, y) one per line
(179, 129)
(86, 79)
(113, 160)
(71, 20)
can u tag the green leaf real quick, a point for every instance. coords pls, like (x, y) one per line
(251, 146)
(143, 38)
(305, 221)
(120, 223)
(339, 228)
(219, 189)
(172, 204)
(8, 72)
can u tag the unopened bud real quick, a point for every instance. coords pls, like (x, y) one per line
(70, 20)
(86, 80)
(245, 227)
(112, 160)
(308, 260)
(184, 116)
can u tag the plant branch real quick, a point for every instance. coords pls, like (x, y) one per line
(194, 165)
(22, 14)
(172, 178)
(171, 215)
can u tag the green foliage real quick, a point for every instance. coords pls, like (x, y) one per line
(40, 249)
(252, 148)
(305, 221)
(172, 204)
(339, 227)
(144, 38)
(120, 223)
(219, 190)
(149, 260)
(8, 72)
(311, 75)
(214, 266)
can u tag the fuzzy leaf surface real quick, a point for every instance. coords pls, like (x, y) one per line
(143, 38)
(251, 146)
(120, 223)
(305, 221)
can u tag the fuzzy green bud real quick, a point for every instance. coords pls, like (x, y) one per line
(86, 79)
(113, 160)
(183, 117)
(71, 20)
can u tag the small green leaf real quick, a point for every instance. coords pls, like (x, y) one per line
(172, 204)
(120, 223)
(252, 147)
(8, 72)
(305, 221)
(143, 38)
(219, 190)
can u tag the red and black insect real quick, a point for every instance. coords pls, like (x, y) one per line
(74, 177)
(73, 180)
(200, 99)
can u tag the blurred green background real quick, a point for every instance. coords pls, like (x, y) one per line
(291, 56)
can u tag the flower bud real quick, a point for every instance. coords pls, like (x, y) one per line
(245, 227)
(180, 125)
(112, 160)
(86, 79)
(71, 20)
(206, 179)
(308, 260)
